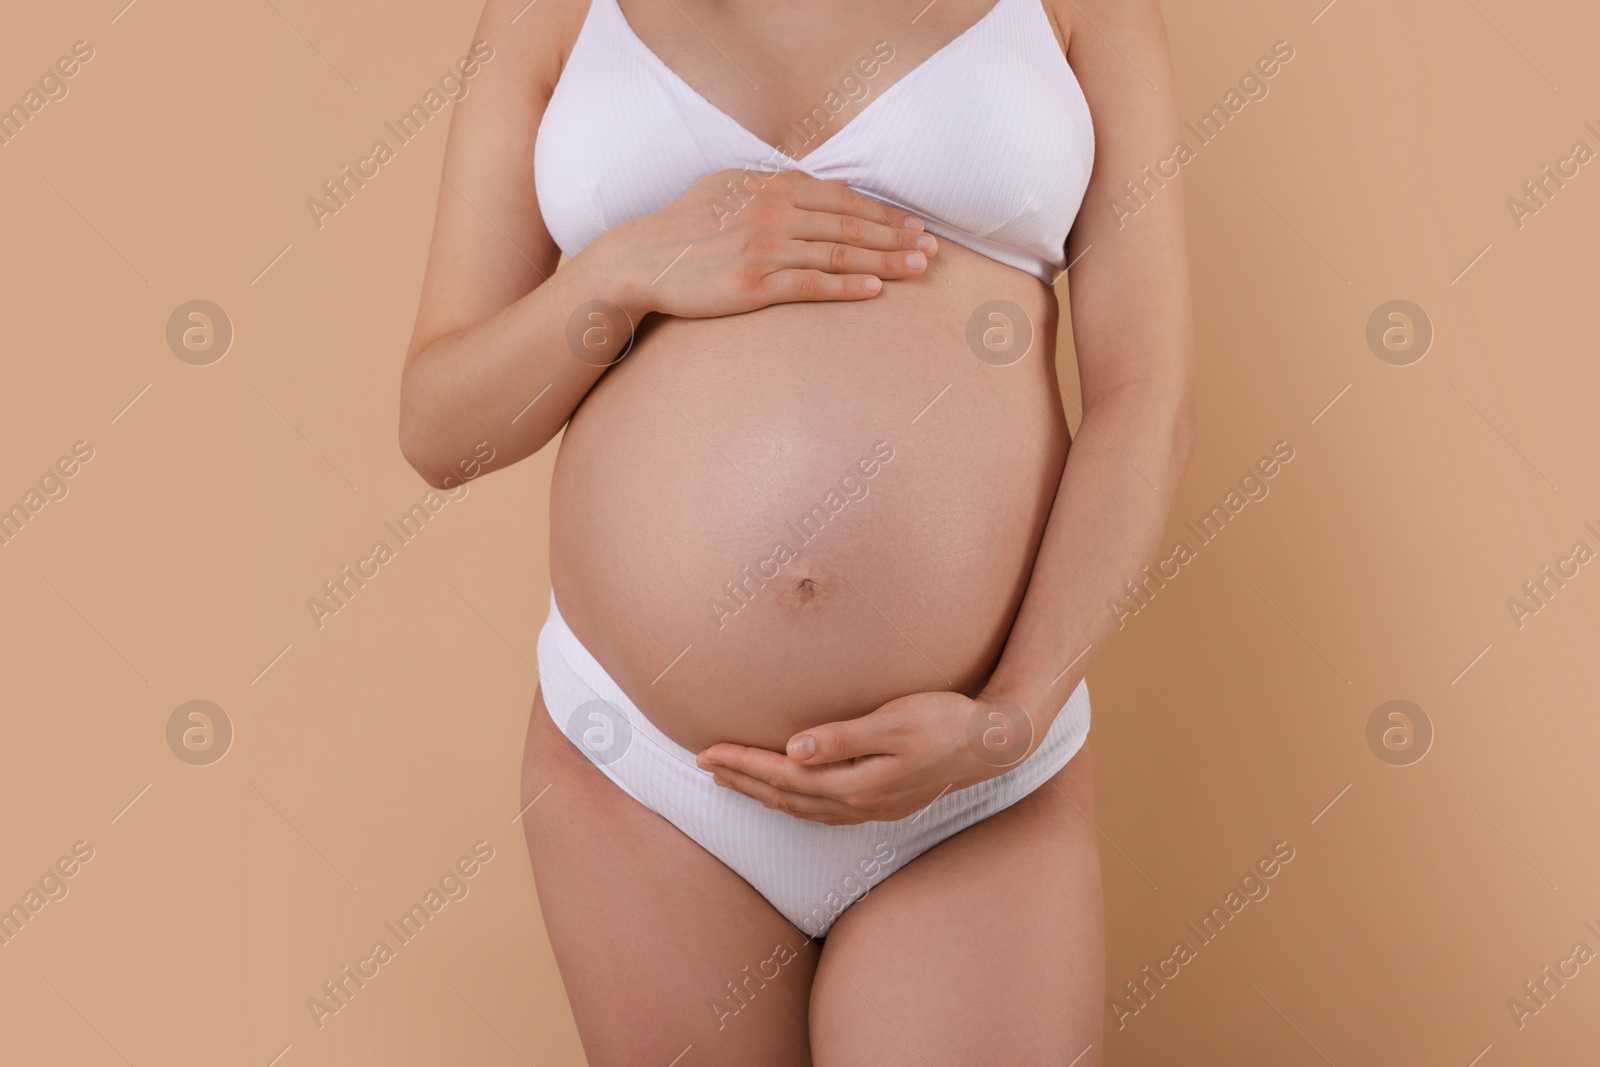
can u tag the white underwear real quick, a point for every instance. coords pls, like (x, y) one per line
(808, 871)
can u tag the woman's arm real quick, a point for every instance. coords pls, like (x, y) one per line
(490, 359)
(491, 321)
(1131, 324)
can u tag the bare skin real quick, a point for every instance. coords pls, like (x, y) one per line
(648, 929)
(990, 944)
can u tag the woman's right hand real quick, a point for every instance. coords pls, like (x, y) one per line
(791, 238)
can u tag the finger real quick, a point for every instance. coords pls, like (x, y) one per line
(771, 767)
(825, 226)
(837, 197)
(803, 805)
(836, 781)
(792, 285)
(846, 259)
(834, 741)
(856, 231)
(760, 762)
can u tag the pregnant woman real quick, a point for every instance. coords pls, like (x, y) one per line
(809, 747)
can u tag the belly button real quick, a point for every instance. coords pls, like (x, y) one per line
(804, 591)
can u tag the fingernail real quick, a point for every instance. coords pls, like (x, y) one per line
(912, 223)
(927, 243)
(803, 747)
(872, 285)
(916, 260)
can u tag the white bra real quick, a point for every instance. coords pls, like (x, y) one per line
(988, 141)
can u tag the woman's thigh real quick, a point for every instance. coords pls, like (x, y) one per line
(660, 946)
(988, 948)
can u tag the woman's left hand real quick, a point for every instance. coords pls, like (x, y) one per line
(886, 765)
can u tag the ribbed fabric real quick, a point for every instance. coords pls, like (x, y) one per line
(809, 872)
(989, 141)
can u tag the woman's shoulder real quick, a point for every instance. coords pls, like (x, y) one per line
(534, 35)
(1106, 16)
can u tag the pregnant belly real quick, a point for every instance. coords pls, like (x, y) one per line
(764, 522)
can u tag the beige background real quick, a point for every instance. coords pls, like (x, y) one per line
(370, 754)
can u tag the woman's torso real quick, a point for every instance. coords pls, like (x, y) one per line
(767, 521)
